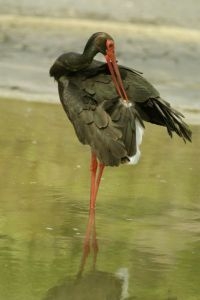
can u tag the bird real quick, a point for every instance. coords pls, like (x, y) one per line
(108, 103)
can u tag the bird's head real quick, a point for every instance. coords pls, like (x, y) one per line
(101, 42)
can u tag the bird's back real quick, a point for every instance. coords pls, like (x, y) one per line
(104, 121)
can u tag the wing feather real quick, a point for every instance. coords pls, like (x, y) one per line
(152, 108)
(93, 126)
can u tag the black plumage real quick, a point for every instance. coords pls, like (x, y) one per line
(101, 118)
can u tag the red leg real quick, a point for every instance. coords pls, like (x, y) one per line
(87, 240)
(93, 169)
(94, 243)
(95, 180)
(101, 168)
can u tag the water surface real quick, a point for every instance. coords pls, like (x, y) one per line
(147, 217)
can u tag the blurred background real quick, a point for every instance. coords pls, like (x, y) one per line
(159, 38)
(147, 218)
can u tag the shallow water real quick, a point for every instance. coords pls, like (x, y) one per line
(147, 216)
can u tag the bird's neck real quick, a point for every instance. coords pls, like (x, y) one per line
(74, 62)
(89, 52)
(82, 61)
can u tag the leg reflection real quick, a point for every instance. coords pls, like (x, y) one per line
(90, 241)
(93, 284)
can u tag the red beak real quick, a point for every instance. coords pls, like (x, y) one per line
(114, 70)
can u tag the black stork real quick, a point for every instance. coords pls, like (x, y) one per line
(107, 104)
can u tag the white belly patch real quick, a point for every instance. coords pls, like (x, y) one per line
(139, 133)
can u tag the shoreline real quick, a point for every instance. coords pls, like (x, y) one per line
(176, 32)
(192, 117)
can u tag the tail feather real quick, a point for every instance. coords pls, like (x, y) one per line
(124, 115)
(173, 120)
(158, 111)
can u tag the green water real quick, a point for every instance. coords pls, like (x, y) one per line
(147, 216)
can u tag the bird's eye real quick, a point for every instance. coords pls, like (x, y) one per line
(109, 44)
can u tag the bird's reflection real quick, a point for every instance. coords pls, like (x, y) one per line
(95, 284)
